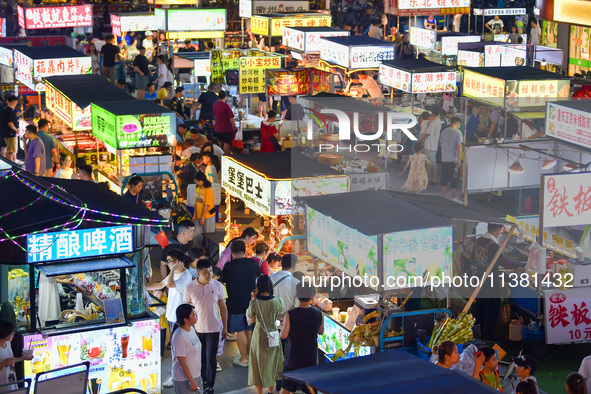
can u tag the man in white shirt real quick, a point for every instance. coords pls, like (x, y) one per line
(585, 371)
(430, 139)
(208, 298)
(375, 31)
(495, 25)
(190, 148)
(284, 284)
(535, 33)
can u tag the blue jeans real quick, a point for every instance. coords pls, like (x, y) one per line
(209, 349)
(184, 386)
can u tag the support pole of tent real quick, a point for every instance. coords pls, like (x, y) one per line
(489, 268)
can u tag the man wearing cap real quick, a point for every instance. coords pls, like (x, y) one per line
(526, 367)
(164, 92)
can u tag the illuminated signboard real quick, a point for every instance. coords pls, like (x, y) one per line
(73, 244)
(119, 357)
(395, 78)
(423, 38)
(449, 44)
(197, 19)
(250, 187)
(133, 131)
(408, 254)
(513, 56)
(55, 17)
(483, 87)
(173, 2)
(68, 111)
(336, 337)
(136, 22)
(262, 7)
(470, 59)
(308, 41)
(430, 7)
(355, 56)
(273, 26)
(288, 82)
(116, 25)
(6, 56)
(222, 60)
(245, 8)
(252, 72)
(576, 12)
(568, 124)
(504, 37)
(435, 82)
(535, 93)
(499, 11)
(285, 191)
(566, 199)
(565, 315)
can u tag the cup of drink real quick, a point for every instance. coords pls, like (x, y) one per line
(335, 312)
(124, 344)
(94, 385)
(38, 362)
(153, 380)
(148, 205)
(63, 350)
(147, 344)
(145, 384)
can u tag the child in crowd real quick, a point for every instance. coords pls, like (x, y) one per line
(526, 367)
(526, 387)
(487, 359)
(417, 177)
(161, 295)
(575, 384)
(217, 274)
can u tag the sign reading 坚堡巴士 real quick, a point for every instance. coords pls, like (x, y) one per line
(566, 315)
(567, 200)
(64, 245)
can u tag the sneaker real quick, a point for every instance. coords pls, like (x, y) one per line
(239, 363)
(218, 367)
(458, 200)
(168, 383)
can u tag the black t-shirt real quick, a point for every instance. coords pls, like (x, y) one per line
(207, 100)
(141, 62)
(185, 49)
(109, 52)
(137, 199)
(240, 276)
(7, 115)
(302, 344)
(175, 245)
(295, 112)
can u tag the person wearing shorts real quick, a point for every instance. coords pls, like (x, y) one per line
(224, 127)
(142, 73)
(9, 128)
(451, 148)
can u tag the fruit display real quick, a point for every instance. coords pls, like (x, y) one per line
(458, 330)
(366, 334)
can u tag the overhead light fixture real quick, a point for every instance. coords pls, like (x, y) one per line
(549, 163)
(516, 168)
(571, 167)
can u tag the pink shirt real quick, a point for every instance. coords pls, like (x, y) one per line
(222, 113)
(205, 300)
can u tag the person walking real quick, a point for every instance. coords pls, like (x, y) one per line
(418, 178)
(224, 126)
(451, 152)
(110, 54)
(186, 351)
(208, 298)
(284, 284)
(9, 128)
(35, 160)
(266, 361)
(249, 236)
(50, 145)
(301, 327)
(143, 73)
(430, 139)
(203, 217)
(239, 275)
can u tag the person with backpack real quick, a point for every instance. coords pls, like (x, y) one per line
(488, 304)
(261, 251)
(485, 368)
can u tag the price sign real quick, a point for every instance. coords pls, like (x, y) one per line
(252, 72)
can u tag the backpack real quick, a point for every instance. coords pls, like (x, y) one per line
(480, 258)
(483, 380)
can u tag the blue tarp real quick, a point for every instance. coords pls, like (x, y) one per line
(391, 371)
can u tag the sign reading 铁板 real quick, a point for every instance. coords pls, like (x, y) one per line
(567, 200)
(567, 315)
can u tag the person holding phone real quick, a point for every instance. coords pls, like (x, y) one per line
(204, 216)
(270, 133)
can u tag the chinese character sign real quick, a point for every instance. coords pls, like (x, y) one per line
(23, 69)
(438, 82)
(412, 253)
(202, 18)
(104, 126)
(277, 24)
(483, 87)
(252, 72)
(334, 53)
(245, 8)
(423, 38)
(140, 22)
(569, 124)
(146, 130)
(535, 93)
(74, 244)
(470, 59)
(320, 81)
(567, 315)
(308, 41)
(293, 38)
(395, 78)
(6, 56)
(369, 56)
(59, 104)
(262, 7)
(116, 25)
(412, 4)
(449, 44)
(567, 200)
(259, 25)
(55, 17)
(288, 82)
(247, 185)
(222, 60)
(64, 66)
(503, 11)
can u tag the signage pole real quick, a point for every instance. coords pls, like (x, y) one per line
(541, 213)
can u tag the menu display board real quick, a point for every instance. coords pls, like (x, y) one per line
(535, 93)
(436, 82)
(288, 82)
(470, 59)
(23, 69)
(274, 26)
(199, 19)
(126, 23)
(336, 337)
(6, 56)
(250, 187)
(31, 72)
(566, 200)
(245, 8)
(449, 44)
(68, 111)
(120, 357)
(395, 78)
(500, 11)
(133, 131)
(484, 88)
(320, 81)
(568, 124)
(423, 38)
(285, 191)
(344, 248)
(410, 254)
(308, 41)
(55, 17)
(566, 319)
(252, 72)
(222, 60)
(353, 57)
(513, 56)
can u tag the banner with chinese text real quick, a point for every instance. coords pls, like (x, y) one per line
(288, 82)
(222, 60)
(69, 112)
(568, 124)
(250, 187)
(535, 93)
(567, 315)
(567, 200)
(430, 7)
(66, 66)
(55, 17)
(252, 72)
(484, 88)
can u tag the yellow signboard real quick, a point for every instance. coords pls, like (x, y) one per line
(180, 35)
(576, 12)
(259, 25)
(252, 72)
(274, 26)
(484, 88)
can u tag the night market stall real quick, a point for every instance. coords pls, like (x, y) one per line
(439, 47)
(491, 54)
(192, 23)
(82, 250)
(304, 42)
(138, 136)
(69, 98)
(272, 25)
(518, 13)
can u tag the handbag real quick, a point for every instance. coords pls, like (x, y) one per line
(273, 336)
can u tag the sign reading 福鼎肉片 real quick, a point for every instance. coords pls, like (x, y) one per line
(73, 244)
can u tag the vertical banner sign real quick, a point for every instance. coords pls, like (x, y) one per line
(567, 315)
(567, 200)
(568, 124)
(288, 82)
(59, 104)
(116, 25)
(23, 69)
(252, 72)
(222, 60)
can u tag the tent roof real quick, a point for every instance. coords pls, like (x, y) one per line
(132, 107)
(344, 103)
(416, 65)
(358, 41)
(452, 33)
(581, 105)
(192, 55)
(374, 212)
(392, 371)
(88, 88)
(53, 52)
(284, 165)
(518, 73)
(314, 29)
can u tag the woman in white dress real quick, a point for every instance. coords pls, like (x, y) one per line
(48, 306)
